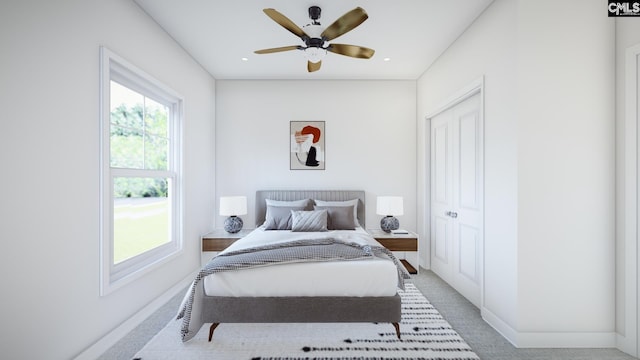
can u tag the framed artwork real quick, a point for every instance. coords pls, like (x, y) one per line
(306, 149)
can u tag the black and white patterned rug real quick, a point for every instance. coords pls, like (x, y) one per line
(425, 335)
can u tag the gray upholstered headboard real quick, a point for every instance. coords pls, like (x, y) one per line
(327, 195)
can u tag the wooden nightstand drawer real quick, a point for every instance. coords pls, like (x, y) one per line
(219, 240)
(398, 242)
(216, 244)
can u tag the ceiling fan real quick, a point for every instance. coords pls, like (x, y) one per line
(316, 38)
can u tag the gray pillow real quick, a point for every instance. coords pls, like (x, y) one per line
(339, 217)
(305, 203)
(279, 217)
(353, 203)
(315, 220)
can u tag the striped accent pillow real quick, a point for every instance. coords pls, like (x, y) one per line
(309, 220)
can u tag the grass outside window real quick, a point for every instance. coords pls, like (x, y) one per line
(140, 224)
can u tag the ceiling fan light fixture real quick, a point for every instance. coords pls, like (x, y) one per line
(314, 54)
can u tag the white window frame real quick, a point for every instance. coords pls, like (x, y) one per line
(114, 276)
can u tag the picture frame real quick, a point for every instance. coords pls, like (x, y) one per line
(307, 145)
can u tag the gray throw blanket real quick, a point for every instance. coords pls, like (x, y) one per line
(287, 252)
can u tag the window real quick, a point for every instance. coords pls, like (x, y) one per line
(140, 172)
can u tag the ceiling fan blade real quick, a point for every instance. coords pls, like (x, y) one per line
(345, 23)
(311, 67)
(351, 50)
(278, 49)
(285, 23)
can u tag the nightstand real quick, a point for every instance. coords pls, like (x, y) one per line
(218, 240)
(399, 243)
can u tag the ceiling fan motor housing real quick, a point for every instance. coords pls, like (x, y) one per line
(315, 35)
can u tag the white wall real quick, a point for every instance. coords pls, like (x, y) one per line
(49, 267)
(566, 172)
(627, 35)
(487, 49)
(370, 139)
(549, 165)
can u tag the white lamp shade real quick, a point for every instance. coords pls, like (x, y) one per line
(233, 205)
(389, 205)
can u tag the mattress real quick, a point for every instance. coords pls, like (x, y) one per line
(370, 277)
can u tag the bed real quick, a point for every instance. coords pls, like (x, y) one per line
(331, 290)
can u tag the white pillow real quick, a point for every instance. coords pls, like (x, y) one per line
(296, 203)
(353, 203)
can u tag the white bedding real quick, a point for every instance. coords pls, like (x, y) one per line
(374, 277)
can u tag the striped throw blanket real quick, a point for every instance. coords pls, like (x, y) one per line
(328, 249)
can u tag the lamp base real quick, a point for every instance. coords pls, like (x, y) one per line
(233, 224)
(389, 223)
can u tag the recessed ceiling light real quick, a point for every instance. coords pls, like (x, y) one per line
(245, 59)
(386, 59)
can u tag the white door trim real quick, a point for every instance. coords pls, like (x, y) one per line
(473, 88)
(628, 342)
(460, 96)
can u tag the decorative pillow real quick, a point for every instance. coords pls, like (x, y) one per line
(304, 203)
(279, 217)
(339, 217)
(309, 220)
(353, 203)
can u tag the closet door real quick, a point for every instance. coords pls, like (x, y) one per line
(467, 198)
(457, 198)
(442, 194)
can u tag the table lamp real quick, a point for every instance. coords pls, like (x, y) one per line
(389, 206)
(233, 206)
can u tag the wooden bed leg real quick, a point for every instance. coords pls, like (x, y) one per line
(213, 327)
(397, 326)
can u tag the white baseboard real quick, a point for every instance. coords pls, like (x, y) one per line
(566, 340)
(549, 339)
(102, 345)
(500, 326)
(627, 344)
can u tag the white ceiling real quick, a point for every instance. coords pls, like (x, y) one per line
(218, 34)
